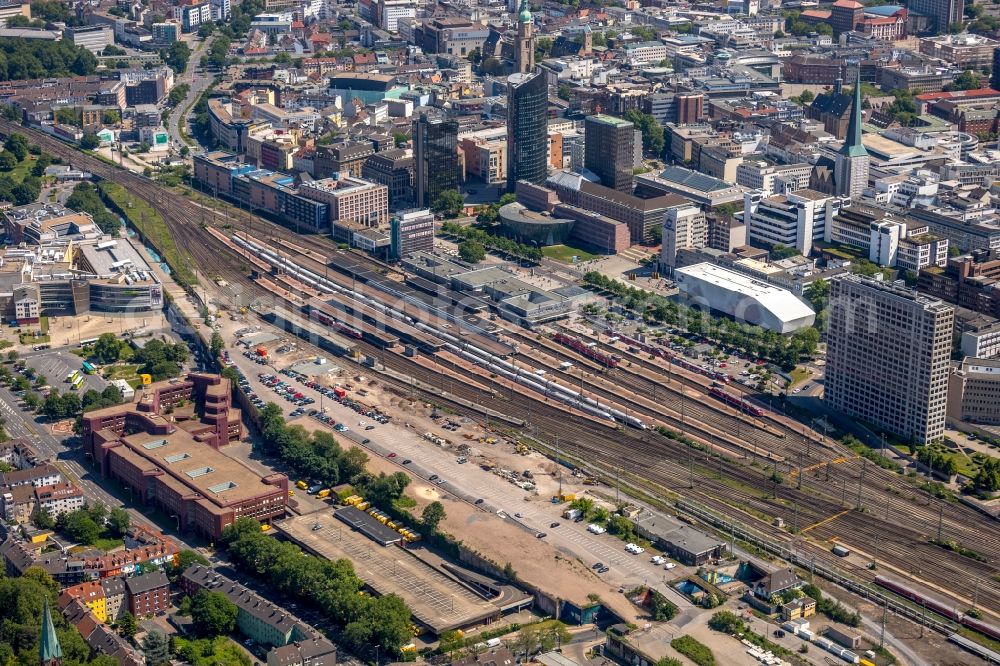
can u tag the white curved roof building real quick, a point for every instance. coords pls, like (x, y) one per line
(744, 298)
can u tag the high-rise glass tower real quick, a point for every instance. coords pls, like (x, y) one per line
(527, 129)
(435, 152)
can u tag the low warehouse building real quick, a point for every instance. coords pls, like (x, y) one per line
(681, 542)
(744, 298)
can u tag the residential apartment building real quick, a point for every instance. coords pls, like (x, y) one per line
(262, 621)
(59, 498)
(344, 158)
(968, 280)
(390, 11)
(887, 356)
(148, 594)
(411, 231)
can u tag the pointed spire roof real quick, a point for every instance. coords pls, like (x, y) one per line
(852, 144)
(49, 649)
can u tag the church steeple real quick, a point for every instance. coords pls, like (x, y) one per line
(524, 51)
(49, 650)
(852, 167)
(853, 147)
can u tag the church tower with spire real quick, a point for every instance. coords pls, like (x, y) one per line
(525, 51)
(851, 170)
(49, 650)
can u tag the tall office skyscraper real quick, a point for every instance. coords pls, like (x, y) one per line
(525, 51)
(527, 129)
(995, 76)
(888, 355)
(610, 150)
(942, 13)
(435, 156)
(851, 169)
(527, 111)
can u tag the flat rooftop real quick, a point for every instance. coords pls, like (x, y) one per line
(609, 120)
(437, 601)
(367, 525)
(197, 466)
(115, 257)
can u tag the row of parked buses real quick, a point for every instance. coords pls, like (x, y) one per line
(359, 502)
(75, 380)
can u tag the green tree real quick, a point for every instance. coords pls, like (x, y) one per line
(81, 527)
(213, 614)
(216, 345)
(668, 661)
(7, 161)
(128, 625)
(187, 557)
(492, 66)
(967, 80)
(448, 203)
(107, 349)
(988, 475)
(727, 622)
(156, 648)
(818, 294)
(118, 521)
(472, 251)
(652, 131)
(432, 516)
(621, 527)
(43, 520)
(90, 141)
(177, 56)
(780, 251)
(18, 145)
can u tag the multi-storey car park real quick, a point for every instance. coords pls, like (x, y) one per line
(827, 492)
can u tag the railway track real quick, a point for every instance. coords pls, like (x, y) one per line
(664, 464)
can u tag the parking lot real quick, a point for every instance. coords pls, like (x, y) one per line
(56, 365)
(436, 600)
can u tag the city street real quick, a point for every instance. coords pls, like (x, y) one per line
(197, 83)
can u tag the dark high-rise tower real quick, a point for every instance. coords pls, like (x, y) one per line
(942, 13)
(610, 150)
(435, 156)
(851, 170)
(527, 129)
(995, 77)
